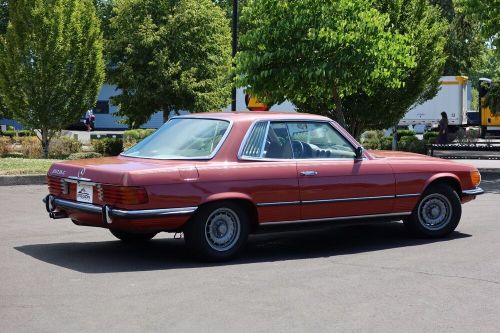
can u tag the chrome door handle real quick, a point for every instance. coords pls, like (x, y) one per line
(308, 173)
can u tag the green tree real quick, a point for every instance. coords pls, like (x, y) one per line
(315, 53)
(427, 32)
(227, 7)
(169, 55)
(464, 42)
(51, 63)
(4, 21)
(4, 16)
(487, 13)
(104, 10)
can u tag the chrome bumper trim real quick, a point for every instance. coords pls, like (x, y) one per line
(475, 191)
(132, 214)
(84, 207)
(109, 212)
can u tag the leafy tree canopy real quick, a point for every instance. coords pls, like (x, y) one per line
(227, 7)
(4, 16)
(51, 63)
(464, 42)
(104, 10)
(169, 55)
(427, 32)
(4, 22)
(315, 53)
(487, 13)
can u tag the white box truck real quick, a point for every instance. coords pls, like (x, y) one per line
(451, 98)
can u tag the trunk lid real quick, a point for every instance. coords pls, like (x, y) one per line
(127, 171)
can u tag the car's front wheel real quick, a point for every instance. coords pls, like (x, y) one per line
(132, 237)
(437, 213)
(217, 231)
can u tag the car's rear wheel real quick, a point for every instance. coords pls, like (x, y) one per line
(217, 231)
(437, 213)
(133, 237)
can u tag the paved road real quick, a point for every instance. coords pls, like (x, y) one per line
(57, 277)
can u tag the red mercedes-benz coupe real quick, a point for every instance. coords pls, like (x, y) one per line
(217, 177)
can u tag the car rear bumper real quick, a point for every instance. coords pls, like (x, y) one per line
(57, 207)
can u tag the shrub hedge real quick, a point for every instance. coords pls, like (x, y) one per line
(62, 147)
(403, 133)
(108, 146)
(407, 141)
(132, 137)
(14, 133)
(82, 155)
(5, 145)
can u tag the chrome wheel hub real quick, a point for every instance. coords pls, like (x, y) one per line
(434, 211)
(222, 229)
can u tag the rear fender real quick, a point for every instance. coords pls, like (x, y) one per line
(227, 196)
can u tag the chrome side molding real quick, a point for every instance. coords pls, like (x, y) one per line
(305, 202)
(354, 217)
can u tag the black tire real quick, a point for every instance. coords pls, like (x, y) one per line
(133, 237)
(217, 231)
(436, 214)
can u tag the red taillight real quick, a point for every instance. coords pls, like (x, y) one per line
(55, 185)
(124, 195)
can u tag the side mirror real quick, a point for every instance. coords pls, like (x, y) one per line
(359, 153)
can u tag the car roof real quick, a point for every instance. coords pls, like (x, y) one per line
(255, 115)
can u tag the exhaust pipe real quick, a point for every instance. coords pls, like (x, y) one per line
(58, 215)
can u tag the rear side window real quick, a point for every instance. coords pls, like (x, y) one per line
(254, 145)
(268, 140)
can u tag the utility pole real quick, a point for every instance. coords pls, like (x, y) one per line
(235, 48)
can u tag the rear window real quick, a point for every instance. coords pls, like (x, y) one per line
(183, 138)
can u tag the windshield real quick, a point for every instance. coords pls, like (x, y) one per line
(182, 138)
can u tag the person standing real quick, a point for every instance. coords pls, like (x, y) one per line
(443, 129)
(89, 119)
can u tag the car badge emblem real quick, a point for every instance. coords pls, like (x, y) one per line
(81, 172)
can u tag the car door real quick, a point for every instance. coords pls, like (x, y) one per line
(332, 182)
(269, 173)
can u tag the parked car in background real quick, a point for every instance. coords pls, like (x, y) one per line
(217, 177)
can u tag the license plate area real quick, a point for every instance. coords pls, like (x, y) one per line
(84, 192)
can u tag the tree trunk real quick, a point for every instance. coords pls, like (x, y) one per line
(166, 114)
(338, 112)
(395, 138)
(45, 142)
(355, 128)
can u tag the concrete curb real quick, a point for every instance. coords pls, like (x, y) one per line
(42, 179)
(23, 180)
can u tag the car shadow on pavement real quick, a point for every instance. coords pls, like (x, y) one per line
(490, 183)
(168, 253)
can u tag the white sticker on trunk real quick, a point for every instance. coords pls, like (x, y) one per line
(84, 193)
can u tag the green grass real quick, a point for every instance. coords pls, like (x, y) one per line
(24, 166)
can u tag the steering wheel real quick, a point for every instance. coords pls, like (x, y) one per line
(298, 148)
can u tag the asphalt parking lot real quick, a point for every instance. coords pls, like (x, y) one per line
(58, 277)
